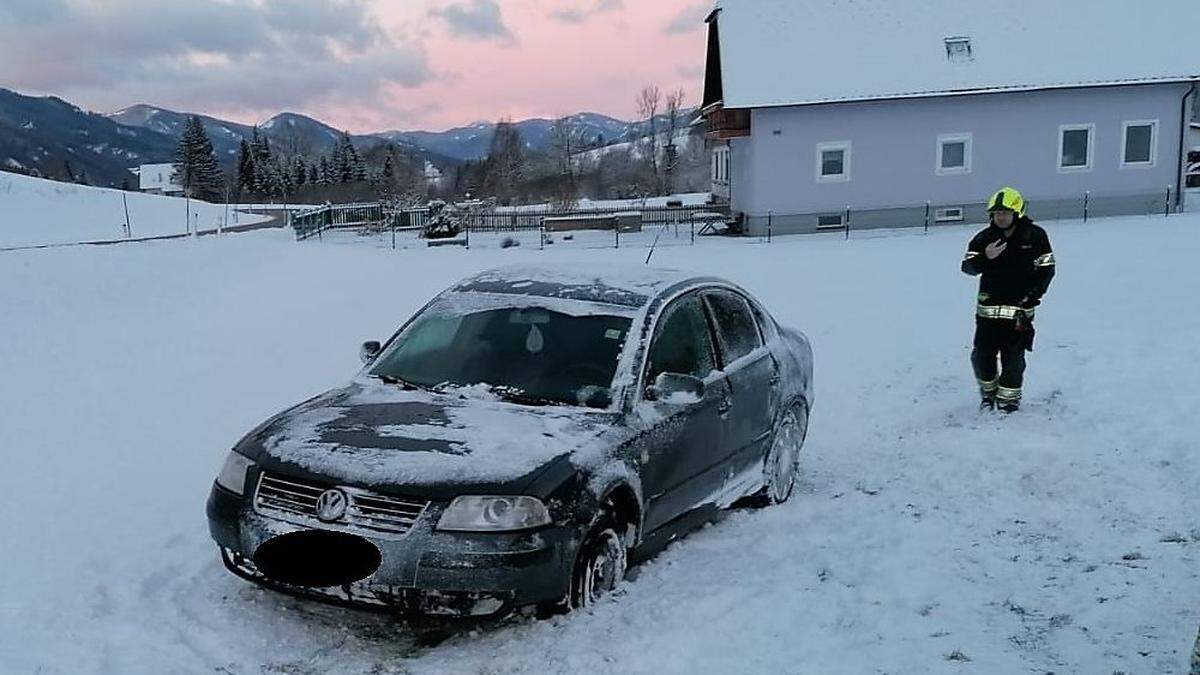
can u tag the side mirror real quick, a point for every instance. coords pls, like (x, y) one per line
(369, 351)
(676, 389)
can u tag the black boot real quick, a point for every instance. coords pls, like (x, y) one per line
(987, 394)
(1008, 400)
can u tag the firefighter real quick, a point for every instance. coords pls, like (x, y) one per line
(1015, 264)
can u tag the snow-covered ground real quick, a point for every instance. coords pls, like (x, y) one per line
(926, 538)
(38, 212)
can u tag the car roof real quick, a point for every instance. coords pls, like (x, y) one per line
(631, 286)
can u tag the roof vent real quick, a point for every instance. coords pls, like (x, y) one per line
(958, 49)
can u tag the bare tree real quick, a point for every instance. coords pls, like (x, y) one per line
(670, 161)
(648, 103)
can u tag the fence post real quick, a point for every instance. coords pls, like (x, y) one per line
(1167, 205)
(692, 225)
(847, 223)
(467, 233)
(617, 230)
(928, 205)
(542, 235)
(770, 224)
(1087, 199)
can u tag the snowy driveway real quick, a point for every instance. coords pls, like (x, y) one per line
(925, 539)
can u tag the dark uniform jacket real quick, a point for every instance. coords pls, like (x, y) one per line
(1018, 278)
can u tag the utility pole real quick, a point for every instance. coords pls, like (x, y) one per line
(128, 228)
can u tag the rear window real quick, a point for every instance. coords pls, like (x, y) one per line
(735, 324)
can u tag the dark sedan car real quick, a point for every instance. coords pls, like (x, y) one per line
(516, 440)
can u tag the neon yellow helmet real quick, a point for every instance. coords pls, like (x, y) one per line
(1007, 198)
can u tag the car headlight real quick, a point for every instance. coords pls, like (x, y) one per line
(494, 514)
(233, 473)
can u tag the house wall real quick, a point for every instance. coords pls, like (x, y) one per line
(1015, 138)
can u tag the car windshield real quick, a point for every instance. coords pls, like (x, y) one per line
(531, 355)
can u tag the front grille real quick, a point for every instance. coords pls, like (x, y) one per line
(294, 497)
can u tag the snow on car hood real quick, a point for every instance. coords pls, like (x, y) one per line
(375, 434)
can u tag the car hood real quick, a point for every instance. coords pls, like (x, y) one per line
(421, 443)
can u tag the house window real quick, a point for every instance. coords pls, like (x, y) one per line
(949, 215)
(720, 166)
(1075, 145)
(830, 222)
(958, 49)
(833, 162)
(954, 154)
(1140, 144)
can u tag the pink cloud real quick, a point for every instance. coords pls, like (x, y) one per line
(597, 61)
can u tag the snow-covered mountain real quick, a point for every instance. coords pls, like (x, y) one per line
(55, 138)
(46, 134)
(471, 142)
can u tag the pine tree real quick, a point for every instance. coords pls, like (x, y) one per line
(313, 175)
(325, 173)
(345, 159)
(245, 168)
(387, 177)
(287, 182)
(196, 168)
(299, 172)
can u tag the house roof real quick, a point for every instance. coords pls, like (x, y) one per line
(792, 52)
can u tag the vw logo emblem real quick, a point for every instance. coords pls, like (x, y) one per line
(331, 505)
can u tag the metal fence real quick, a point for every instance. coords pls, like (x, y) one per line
(375, 217)
(1082, 206)
(525, 220)
(370, 216)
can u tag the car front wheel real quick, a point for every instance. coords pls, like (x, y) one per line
(600, 564)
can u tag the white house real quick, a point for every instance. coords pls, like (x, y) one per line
(895, 113)
(156, 179)
(433, 175)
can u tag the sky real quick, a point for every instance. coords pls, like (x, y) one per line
(360, 65)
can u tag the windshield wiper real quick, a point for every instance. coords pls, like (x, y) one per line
(408, 386)
(523, 399)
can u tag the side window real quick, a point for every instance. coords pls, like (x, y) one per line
(681, 343)
(735, 323)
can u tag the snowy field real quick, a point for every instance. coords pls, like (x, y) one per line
(925, 538)
(39, 212)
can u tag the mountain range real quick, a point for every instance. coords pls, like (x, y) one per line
(47, 133)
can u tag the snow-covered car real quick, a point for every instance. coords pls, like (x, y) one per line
(517, 440)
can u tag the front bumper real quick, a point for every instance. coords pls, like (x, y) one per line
(422, 571)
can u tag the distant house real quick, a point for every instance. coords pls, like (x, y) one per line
(156, 179)
(433, 175)
(879, 108)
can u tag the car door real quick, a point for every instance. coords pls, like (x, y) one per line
(680, 452)
(753, 376)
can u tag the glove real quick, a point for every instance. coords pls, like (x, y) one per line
(1029, 303)
(1024, 323)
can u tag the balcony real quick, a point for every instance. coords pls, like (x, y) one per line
(724, 123)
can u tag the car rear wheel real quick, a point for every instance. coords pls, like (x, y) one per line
(600, 564)
(782, 465)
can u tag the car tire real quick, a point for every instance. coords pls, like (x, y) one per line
(600, 564)
(781, 466)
